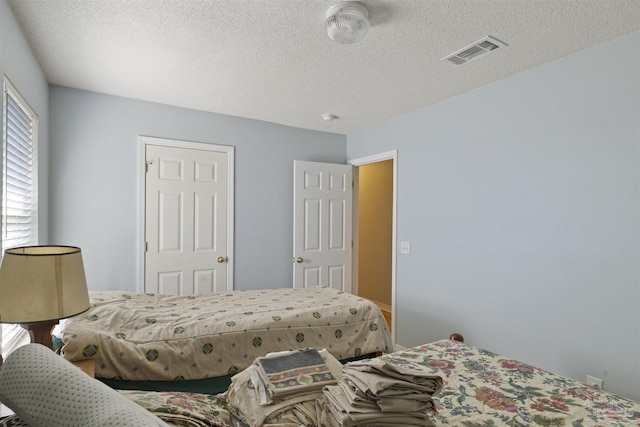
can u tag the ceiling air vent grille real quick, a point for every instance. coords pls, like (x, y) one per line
(475, 50)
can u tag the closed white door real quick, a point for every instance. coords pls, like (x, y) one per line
(322, 225)
(186, 220)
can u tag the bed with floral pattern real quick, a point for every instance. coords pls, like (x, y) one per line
(487, 389)
(154, 337)
(481, 389)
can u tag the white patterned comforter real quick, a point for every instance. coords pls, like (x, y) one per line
(162, 337)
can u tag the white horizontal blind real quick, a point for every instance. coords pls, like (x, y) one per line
(19, 195)
(13, 336)
(19, 190)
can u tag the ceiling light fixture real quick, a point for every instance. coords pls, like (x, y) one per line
(328, 117)
(347, 22)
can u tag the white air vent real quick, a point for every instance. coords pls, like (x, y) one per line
(475, 50)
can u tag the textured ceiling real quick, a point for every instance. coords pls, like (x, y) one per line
(271, 59)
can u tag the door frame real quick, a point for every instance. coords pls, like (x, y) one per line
(374, 158)
(143, 141)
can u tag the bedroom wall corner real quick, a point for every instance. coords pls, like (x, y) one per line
(524, 221)
(20, 65)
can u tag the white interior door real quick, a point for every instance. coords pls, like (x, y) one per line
(322, 236)
(186, 220)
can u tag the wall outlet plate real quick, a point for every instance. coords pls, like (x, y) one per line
(594, 382)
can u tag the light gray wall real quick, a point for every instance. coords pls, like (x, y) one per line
(521, 202)
(94, 142)
(18, 63)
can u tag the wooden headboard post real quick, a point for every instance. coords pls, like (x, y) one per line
(456, 337)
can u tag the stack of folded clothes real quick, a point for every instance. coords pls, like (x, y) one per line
(282, 388)
(375, 392)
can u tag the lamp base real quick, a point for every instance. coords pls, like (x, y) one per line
(40, 332)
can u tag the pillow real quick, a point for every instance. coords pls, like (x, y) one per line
(44, 389)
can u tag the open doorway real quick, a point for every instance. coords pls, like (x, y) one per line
(374, 231)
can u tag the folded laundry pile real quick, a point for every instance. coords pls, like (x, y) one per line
(375, 392)
(312, 388)
(283, 388)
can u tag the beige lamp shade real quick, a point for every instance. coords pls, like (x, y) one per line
(42, 283)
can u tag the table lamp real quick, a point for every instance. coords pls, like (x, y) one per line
(40, 285)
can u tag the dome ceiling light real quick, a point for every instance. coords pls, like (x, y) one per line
(347, 22)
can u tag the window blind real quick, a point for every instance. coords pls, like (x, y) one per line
(19, 191)
(19, 205)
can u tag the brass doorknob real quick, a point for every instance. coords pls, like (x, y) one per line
(221, 259)
(298, 260)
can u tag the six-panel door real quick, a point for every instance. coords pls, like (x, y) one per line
(186, 209)
(322, 225)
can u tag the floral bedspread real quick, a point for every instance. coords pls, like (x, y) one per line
(185, 409)
(163, 337)
(483, 389)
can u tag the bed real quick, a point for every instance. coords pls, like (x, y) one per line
(480, 389)
(195, 343)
